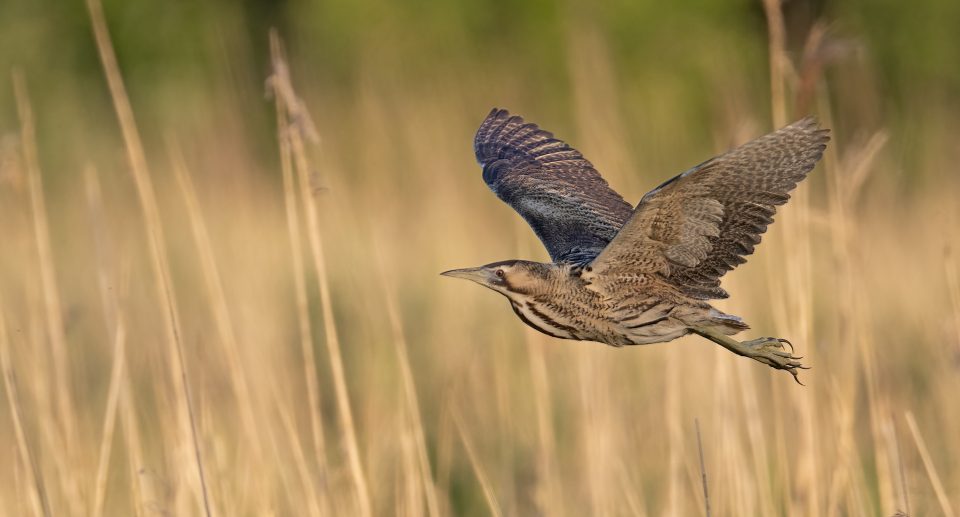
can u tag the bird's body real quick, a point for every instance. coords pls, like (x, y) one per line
(557, 300)
(628, 276)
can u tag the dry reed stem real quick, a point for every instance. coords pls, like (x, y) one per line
(52, 310)
(39, 494)
(903, 495)
(409, 386)
(69, 461)
(845, 181)
(777, 36)
(154, 229)
(300, 460)
(634, 499)
(488, 493)
(811, 68)
(703, 470)
(796, 241)
(111, 309)
(595, 421)
(757, 437)
(117, 373)
(552, 496)
(673, 409)
(293, 440)
(218, 302)
(409, 484)
(284, 90)
(929, 466)
(300, 284)
(953, 289)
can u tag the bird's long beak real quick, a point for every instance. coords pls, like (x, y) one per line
(476, 274)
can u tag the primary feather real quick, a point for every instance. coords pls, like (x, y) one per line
(551, 185)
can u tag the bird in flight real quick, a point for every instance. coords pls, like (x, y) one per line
(632, 276)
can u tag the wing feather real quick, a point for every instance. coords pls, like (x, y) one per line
(551, 185)
(699, 225)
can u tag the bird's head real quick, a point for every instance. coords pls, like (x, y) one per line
(507, 277)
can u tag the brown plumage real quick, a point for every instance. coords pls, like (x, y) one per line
(626, 276)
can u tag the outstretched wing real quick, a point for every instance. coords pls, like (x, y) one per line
(702, 223)
(557, 191)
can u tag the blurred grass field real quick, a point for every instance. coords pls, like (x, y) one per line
(242, 279)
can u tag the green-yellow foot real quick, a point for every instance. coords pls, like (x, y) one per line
(767, 350)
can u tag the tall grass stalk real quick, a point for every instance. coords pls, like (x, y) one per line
(154, 229)
(492, 504)
(110, 416)
(409, 388)
(107, 279)
(218, 302)
(294, 109)
(38, 496)
(305, 327)
(945, 506)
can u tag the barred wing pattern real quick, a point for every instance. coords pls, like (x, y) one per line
(551, 185)
(702, 223)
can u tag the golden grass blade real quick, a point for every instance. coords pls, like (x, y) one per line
(284, 90)
(758, 439)
(131, 434)
(39, 495)
(777, 40)
(110, 416)
(161, 270)
(903, 495)
(953, 288)
(674, 428)
(928, 465)
(221, 312)
(409, 481)
(111, 305)
(553, 497)
(300, 284)
(635, 501)
(53, 314)
(409, 387)
(703, 470)
(300, 460)
(492, 503)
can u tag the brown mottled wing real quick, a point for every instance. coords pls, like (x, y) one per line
(557, 191)
(702, 223)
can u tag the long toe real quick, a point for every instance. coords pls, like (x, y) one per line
(771, 352)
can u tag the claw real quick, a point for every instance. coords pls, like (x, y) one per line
(796, 377)
(787, 342)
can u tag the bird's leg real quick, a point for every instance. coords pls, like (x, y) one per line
(767, 350)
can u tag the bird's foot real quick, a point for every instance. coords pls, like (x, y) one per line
(771, 352)
(767, 350)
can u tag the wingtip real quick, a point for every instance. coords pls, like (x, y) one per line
(809, 121)
(496, 112)
(811, 124)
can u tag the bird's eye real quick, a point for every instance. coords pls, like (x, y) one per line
(499, 273)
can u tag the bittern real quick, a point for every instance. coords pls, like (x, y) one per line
(633, 276)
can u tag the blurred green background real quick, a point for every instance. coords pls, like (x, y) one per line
(895, 60)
